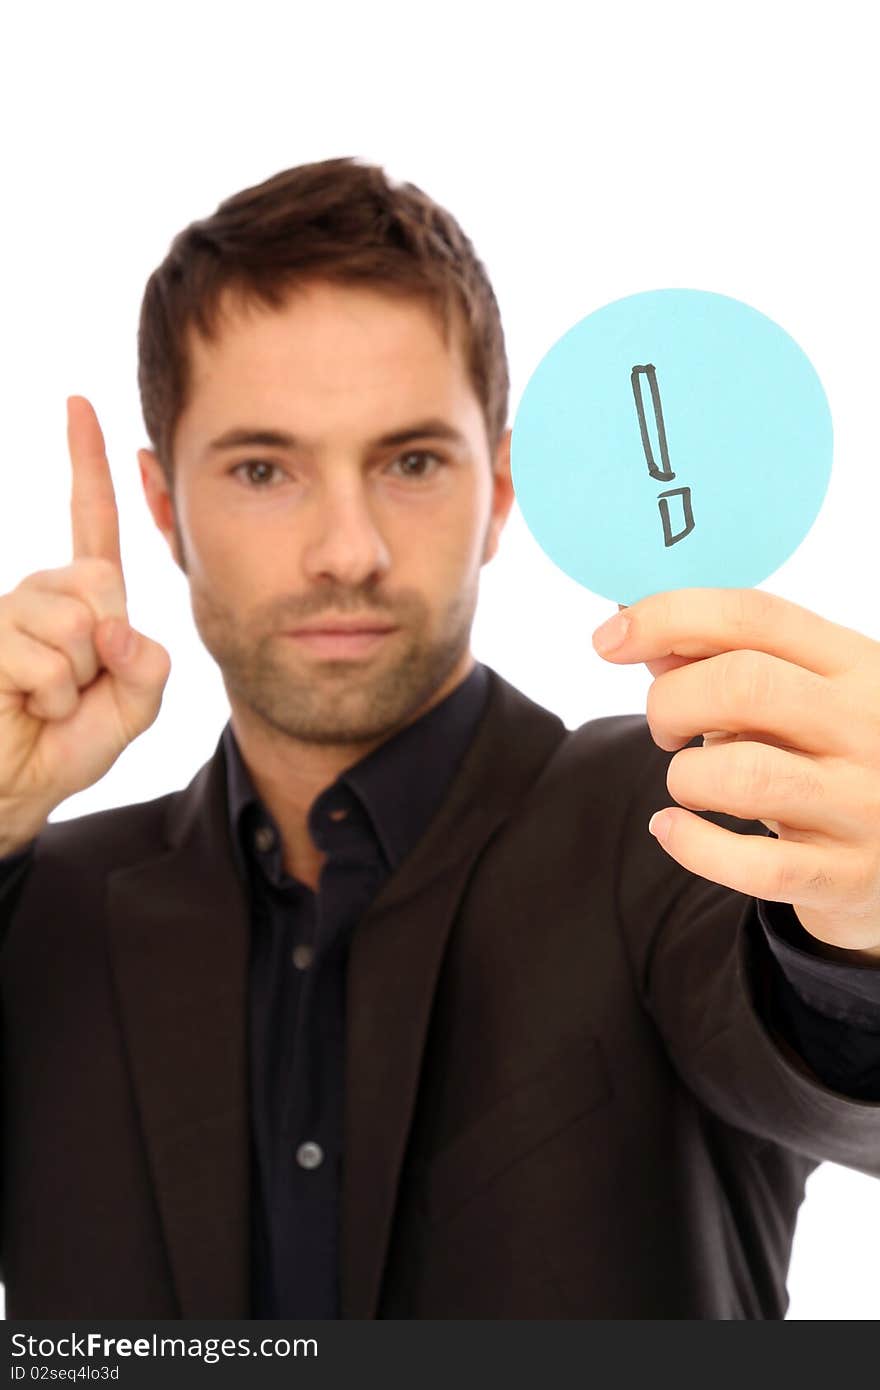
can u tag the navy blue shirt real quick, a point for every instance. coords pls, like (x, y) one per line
(365, 823)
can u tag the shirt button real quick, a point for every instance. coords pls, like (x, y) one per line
(310, 1155)
(302, 957)
(264, 838)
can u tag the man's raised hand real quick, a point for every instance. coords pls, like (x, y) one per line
(72, 696)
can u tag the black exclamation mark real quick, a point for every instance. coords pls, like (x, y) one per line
(664, 473)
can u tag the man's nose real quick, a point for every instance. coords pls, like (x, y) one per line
(344, 541)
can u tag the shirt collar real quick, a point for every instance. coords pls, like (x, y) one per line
(400, 784)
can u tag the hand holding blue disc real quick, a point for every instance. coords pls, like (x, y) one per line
(673, 439)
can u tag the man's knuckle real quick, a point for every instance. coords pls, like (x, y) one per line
(763, 605)
(750, 777)
(739, 614)
(101, 581)
(749, 610)
(53, 669)
(805, 788)
(667, 611)
(78, 622)
(788, 882)
(745, 683)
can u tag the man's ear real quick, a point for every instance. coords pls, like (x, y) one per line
(502, 496)
(159, 500)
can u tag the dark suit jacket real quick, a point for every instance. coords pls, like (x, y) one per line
(561, 1100)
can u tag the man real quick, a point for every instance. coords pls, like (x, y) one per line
(397, 1010)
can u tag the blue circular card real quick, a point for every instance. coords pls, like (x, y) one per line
(673, 439)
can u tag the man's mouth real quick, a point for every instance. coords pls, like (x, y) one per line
(342, 639)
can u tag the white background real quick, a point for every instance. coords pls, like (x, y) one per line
(589, 151)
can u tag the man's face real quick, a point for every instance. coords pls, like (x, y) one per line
(339, 523)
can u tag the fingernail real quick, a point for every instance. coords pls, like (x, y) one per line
(660, 826)
(612, 634)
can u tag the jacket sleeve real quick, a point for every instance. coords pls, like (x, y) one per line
(705, 974)
(14, 869)
(827, 1009)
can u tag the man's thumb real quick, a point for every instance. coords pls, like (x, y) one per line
(120, 642)
(141, 667)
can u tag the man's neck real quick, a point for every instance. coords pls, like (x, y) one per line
(289, 773)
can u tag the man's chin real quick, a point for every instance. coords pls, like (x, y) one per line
(342, 701)
(334, 704)
(350, 728)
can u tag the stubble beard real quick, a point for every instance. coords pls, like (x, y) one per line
(344, 703)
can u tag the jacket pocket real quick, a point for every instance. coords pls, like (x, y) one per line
(538, 1108)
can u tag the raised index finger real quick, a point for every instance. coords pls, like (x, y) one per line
(93, 512)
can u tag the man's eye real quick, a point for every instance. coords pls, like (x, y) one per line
(417, 454)
(253, 464)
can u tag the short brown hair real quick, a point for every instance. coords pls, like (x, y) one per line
(338, 219)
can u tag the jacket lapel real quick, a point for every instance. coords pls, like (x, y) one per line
(179, 939)
(394, 961)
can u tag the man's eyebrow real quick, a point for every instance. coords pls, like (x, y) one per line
(243, 436)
